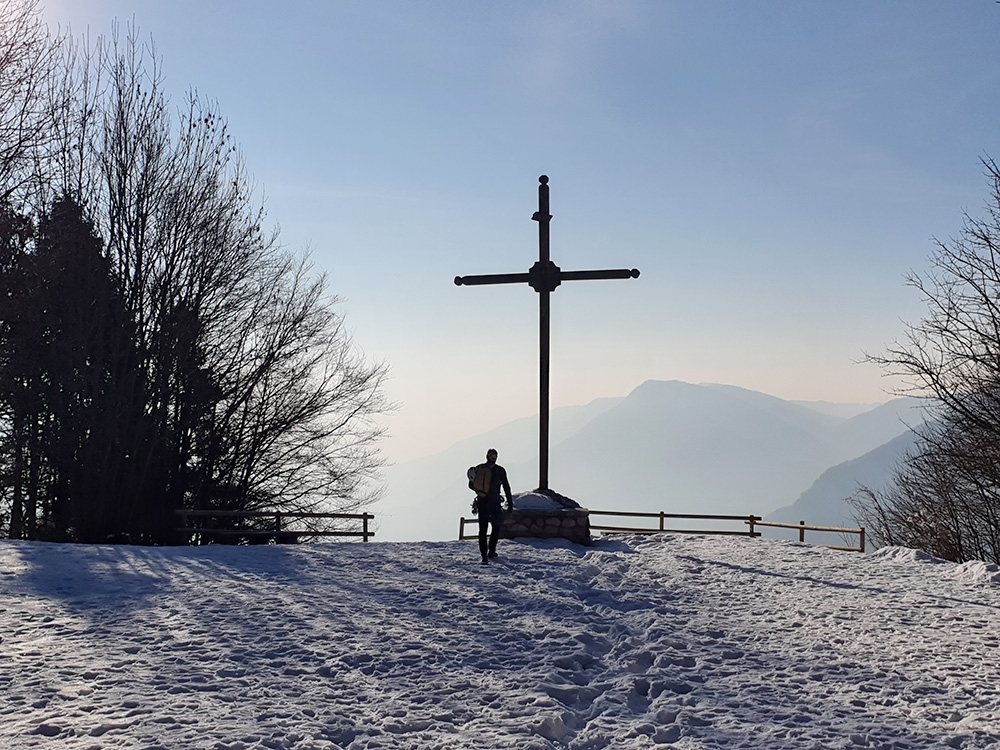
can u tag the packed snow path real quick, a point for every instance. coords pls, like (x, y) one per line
(690, 642)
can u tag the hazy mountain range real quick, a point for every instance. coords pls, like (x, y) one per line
(673, 447)
(821, 504)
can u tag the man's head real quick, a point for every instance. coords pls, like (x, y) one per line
(491, 455)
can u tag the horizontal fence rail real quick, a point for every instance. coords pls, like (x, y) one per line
(803, 528)
(750, 521)
(662, 527)
(660, 517)
(191, 523)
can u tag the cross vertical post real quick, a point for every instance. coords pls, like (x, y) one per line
(544, 277)
(544, 330)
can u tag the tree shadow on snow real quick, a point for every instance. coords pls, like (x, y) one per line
(93, 578)
(775, 574)
(83, 578)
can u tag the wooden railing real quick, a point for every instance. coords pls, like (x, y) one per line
(193, 522)
(662, 519)
(461, 528)
(803, 528)
(752, 522)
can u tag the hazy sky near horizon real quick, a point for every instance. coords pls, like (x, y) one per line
(773, 169)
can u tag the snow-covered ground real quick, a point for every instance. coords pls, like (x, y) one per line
(689, 642)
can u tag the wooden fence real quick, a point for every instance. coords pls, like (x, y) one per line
(461, 528)
(662, 523)
(803, 528)
(752, 522)
(660, 529)
(196, 523)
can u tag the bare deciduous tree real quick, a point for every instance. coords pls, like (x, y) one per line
(31, 91)
(251, 394)
(946, 497)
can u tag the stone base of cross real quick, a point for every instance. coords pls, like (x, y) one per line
(544, 277)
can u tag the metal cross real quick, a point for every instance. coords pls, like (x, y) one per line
(544, 277)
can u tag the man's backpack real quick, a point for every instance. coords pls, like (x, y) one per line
(480, 480)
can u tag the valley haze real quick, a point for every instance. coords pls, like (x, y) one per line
(667, 446)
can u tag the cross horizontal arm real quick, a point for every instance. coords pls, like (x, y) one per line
(616, 273)
(492, 278)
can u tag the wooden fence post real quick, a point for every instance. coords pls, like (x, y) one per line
(862, 545)
(802, 531)
(662, 516)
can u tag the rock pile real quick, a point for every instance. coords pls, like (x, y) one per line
(545, 514)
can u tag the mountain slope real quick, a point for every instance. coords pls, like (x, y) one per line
(878, 426)
(686, 448)
(678, 447)
(825, 502)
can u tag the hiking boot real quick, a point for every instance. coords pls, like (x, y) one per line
(493, 554)
(484, 562)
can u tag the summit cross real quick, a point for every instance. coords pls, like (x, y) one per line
(544, 276)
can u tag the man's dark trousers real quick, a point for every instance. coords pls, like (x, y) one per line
(487, 515)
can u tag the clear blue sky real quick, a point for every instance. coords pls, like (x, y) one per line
(773, 168)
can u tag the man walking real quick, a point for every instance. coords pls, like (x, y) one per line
(487, 479)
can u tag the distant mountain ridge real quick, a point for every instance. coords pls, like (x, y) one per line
(668, 445)
(825, 503)
(844, 411)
